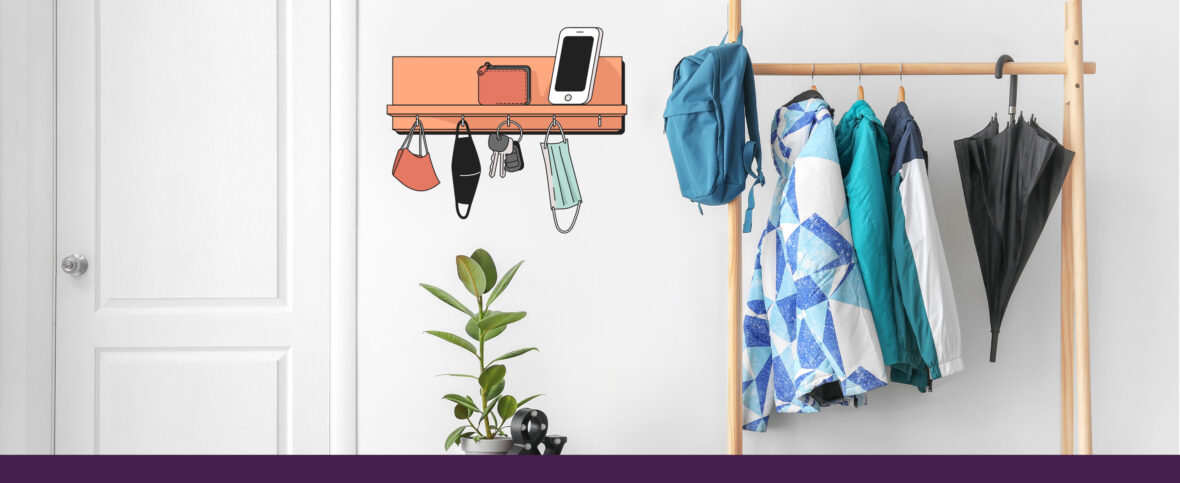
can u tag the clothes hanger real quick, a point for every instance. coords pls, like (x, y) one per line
(900, 85)
(812, 93)
(860, 88)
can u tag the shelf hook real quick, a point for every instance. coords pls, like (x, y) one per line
(813, 76)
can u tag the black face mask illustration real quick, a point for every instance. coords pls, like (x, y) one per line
(465, 170)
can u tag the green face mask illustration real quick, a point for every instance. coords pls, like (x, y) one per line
(563, 184)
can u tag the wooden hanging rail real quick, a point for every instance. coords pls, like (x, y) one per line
(1075, 332)
(917, 68)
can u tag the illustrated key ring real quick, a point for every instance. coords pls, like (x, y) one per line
(510, 122)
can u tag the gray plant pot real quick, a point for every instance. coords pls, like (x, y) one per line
(498, 445)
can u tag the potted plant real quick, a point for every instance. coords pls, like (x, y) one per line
(484, 434)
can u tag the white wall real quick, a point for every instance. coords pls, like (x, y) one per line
(629, 310)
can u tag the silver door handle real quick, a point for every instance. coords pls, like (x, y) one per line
(74, 264)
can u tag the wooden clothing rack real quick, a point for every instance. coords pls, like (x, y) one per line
(1075, 333)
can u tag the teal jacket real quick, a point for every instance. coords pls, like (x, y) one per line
(863, 148)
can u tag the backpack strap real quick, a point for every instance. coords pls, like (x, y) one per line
(752, 151)
(741, 30)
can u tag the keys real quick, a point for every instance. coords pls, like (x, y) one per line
(505, 155)
(498, 159)
(498, 143)
(513, 161)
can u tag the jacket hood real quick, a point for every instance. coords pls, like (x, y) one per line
(859, 111)
(789, 118)
(810, 94)
(850, 122)
(897, 122)
(904, 137)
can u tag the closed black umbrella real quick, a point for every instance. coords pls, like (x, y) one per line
(1011, 180)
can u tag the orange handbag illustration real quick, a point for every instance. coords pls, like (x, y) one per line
(501, 85)
(414, 171)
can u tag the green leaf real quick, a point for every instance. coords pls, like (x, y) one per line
(462, 401)
(495, 391)
(500, 319)
(454, 339)
(472, 329)
(476, 437)
(446, 297)
(459, 375)
(484, 259)
(491, 334)
(527, 399)
(462, 412)
(503, 284)
(491, 376)
(507, 407)
(453, 438)
(514, 353)
(471, 275)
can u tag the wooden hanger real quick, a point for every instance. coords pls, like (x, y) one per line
(860, 89)
(900, 86)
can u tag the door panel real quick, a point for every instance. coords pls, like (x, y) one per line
(185, 129)
(203, 93)
(233, 400)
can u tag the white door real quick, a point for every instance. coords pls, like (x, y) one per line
(192, 174)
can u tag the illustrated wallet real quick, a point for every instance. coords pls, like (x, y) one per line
(504, 85)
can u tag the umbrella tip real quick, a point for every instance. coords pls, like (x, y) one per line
(995, 341)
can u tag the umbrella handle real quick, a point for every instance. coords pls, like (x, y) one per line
(1004, 59)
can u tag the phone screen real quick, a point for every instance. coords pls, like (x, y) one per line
(575, 63)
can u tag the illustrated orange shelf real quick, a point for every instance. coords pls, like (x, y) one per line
(441, 90)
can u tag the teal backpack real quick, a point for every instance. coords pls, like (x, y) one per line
(712, 97)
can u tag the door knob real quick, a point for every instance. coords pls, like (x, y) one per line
(74, 264)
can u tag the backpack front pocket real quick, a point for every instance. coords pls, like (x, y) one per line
(695, 147)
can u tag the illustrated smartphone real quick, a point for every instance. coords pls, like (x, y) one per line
(575, 65)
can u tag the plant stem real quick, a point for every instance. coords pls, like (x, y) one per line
(483, 396)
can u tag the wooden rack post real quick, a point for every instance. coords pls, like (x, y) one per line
(735, 286)
(1075, 335)
(1074, 85)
